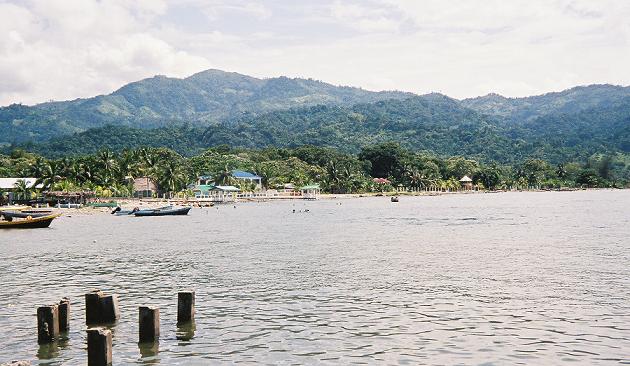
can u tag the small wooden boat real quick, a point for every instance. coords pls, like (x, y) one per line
(28, 223)
(9, 215)
(111, 204)
(163, 211)
(120, 212)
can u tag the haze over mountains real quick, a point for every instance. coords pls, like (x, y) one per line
(229, 108)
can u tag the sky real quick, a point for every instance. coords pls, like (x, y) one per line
(67, 49)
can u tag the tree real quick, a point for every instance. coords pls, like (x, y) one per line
(489, 176)
(387, 159)
(22, 190)
(589, 178)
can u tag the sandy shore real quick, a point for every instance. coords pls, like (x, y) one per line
(129, 203)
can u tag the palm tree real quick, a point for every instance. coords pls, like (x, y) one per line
(3, 197)
(107, 163)
(223, 176)
(50, 174)
(22, 190)
(171, 178)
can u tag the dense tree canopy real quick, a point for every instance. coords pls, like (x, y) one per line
(111, 173)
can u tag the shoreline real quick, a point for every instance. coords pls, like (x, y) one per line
(145, 203)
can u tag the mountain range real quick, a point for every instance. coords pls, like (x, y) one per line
(215, 107)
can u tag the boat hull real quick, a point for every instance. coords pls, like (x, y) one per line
(34, 223)
(9, 215)
(163, 212)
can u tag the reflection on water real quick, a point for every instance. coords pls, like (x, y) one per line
(149, 351)
(534, 278)
(185, 331)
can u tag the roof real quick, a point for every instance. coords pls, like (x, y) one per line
(310, 186)
(244, 174)
(205, 177)
(9, 183)
(203, 188)
(465, 179)
(382, 180)
(225, 188)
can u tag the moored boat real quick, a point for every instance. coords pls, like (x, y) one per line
(24, 214)
(28, 223)
(163, 211)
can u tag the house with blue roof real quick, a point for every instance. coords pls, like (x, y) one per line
(247, 176)
(208, 180)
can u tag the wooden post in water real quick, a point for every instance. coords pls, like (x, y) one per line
(47, 324)
(64, 314)
(185, 306)
(101, 308)
(93, 307)
(149, 320)
(109, 307)
(99, 347)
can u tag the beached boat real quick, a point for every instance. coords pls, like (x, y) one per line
(28, 223)
(118, 211)
(9, 215)
(163, 211)
(111, 204)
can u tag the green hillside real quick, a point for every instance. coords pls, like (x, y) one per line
(201, 99)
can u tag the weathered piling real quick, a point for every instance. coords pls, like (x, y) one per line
(99, 346)
(64, 314)
(185, 306)
(149, 320)
(101, 308)
(109, 308)
(93, 307)
(47, 324)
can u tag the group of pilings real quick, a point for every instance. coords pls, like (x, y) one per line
(101, 309)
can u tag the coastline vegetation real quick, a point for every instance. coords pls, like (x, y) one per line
(111, 174)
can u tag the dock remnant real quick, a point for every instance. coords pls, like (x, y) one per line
(47, 324)
(149, 321)
(185, 306)
(64, 314)
(99, 347)
(101, 308)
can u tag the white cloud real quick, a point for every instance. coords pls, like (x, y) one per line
(69, 49)
(60, 49)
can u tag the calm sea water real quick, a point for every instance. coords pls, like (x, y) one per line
(514, 278)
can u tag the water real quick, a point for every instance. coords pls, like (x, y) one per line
(514, 278)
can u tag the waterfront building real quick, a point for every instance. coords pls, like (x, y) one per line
(466, 183)
(215, 193)
(311, 191)
(249, 177)
(144, 187)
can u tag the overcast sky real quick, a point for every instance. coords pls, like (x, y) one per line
(66, 49)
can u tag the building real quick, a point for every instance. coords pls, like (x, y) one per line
(144, 187)
(247, 176)
(208, 192)
(9, 185)
(205, 180)
(311, 191)
(467, 183)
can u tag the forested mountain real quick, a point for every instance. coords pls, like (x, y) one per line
(570, 101)
(433, 122)
(203, 98)
(217, 108)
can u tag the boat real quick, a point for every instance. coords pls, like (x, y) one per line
(28, 223)
(111, 204)
(163, 211)
(118, 211)
(9, 215)
(394, 199)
